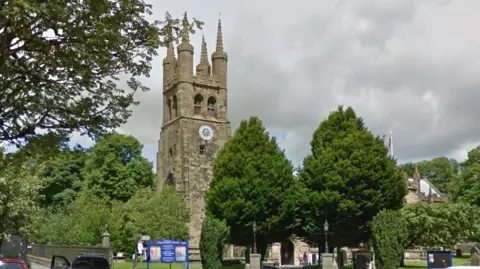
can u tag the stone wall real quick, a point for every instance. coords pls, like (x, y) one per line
(67, 251)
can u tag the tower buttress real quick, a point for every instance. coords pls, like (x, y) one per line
(185, 54)
(220, 59)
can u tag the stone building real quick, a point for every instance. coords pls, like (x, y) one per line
(195, 124)
(423, 191)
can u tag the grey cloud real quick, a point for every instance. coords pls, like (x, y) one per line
(410, 66)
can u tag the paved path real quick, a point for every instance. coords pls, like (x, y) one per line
(38, 266)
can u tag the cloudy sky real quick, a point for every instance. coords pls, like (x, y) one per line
(409, 66)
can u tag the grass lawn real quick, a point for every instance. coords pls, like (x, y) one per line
(411, 264)
(156, 265)
(423, 264)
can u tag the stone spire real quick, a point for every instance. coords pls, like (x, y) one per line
(169, 63)
(185, 35)
(219, 47)
(184, 67)
(203, 68)
(416, 174)
(170, 52)
(220, 59)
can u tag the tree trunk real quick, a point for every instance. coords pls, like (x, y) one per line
(402, 261)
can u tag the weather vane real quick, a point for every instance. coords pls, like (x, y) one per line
(219, 15)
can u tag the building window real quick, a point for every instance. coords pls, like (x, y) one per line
(197, 104)
(202, 149)
(211, 107)
(170, 180)
(169, 105)
(171, 152)
(175, 106)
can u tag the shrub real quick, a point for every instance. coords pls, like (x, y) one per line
(389, 236)
(212, 240)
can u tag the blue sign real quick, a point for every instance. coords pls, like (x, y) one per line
(167, 251)
(439, 259)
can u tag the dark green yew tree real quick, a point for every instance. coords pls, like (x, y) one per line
(347, 180)
(389, 236)
(253, 181)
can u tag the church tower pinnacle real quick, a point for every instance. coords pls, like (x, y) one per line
(220, 59)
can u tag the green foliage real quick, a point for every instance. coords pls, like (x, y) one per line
(347, 180)
(432, 225)
(19, 187)
(162, 215)
(439, 171)
(115, 167)
(79, 223)
(253, 181)
(61, 177)
(214, 235)
(466, 187)
(389, 236)
(60, 62)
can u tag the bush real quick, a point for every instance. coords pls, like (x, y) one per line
(212, 241)
(389, 236)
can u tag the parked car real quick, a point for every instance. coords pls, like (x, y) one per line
(82, 261)
(6, 263)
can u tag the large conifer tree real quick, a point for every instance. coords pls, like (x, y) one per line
(253, 181)
(347, 180)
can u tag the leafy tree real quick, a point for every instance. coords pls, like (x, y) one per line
(389, 235)
(466, 187)
(61, 177)
(348, 179)
(253, 181)
(439, 171)
(214, 235)
(79, 223)
(60, 62)
(115, 167)
(433, 225)
(19, 188)
(162, 215)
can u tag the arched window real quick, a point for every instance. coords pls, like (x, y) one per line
(169, 105)
(175, 106)
(170, 180)
(197, 104)
(211, 107)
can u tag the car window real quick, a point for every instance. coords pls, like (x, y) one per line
(10, 265)
(90, 262)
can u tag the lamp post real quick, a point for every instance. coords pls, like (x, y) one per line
(254, 227)
(325, 227)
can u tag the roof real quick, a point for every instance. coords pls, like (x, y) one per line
(425, 187)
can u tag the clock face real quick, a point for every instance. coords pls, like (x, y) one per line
(206, 132)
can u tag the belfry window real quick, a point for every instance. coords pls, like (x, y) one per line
(197, 104)
(202, 149)
(211, 107)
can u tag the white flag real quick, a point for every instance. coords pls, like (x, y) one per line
(390, 145)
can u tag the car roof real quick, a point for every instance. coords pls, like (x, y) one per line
(11, 260)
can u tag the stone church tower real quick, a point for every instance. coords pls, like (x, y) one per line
(195, 123)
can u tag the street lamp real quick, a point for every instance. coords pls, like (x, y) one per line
(254, 227)
(325, 227)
